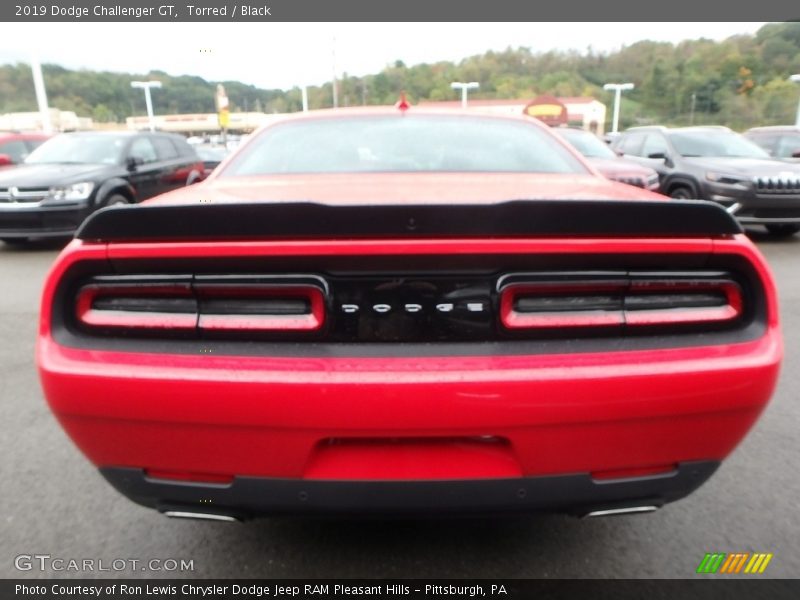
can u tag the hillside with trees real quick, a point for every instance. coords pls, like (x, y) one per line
(740, 82)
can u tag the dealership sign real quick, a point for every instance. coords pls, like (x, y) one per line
(547, 109)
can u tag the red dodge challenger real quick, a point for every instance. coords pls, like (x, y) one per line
(383, 311)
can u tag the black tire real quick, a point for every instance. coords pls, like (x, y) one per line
(682, 192)
(114, 200)
(783, 229)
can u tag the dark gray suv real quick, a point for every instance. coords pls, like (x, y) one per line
(715, 163)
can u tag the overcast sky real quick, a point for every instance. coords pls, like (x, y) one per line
(282, 55)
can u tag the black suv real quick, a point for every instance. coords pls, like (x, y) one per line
(781, 141)
(715, 163)
(73, 174)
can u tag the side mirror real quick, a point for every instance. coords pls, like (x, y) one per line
(795, 153)
(132, 162)
(658, 155)
(5, 160)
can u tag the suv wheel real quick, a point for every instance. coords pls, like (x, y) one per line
(783, 229)
(682, 192)
(114, 200)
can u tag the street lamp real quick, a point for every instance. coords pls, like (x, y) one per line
(618, 88)
(146, 85)
(457, 85)
(796, 79)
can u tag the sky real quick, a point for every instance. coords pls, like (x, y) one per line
(284, 55)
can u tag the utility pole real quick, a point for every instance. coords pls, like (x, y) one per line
(41, 95)
(146, 85)
(464, 87)
(617, 88)
(333, 63)
(796, 79)
(305, 99)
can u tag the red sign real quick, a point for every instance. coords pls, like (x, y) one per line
(547, 109)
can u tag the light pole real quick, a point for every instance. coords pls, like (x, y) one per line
(146, 85)
(618, 89)
(796, 79)
(457, 85)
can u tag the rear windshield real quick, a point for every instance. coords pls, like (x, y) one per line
(405, 143)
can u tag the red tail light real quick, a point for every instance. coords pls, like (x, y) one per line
(189, 305)
(137, 306)
(624, 300)
(260, 308)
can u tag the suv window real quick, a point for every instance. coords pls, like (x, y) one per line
(654, 143)
(788, 145)
(631, 143)
(183, 147)
(142, 149)
(767, 141)
(16, 149)
(164, 148)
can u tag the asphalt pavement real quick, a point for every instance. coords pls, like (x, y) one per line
(55, 503)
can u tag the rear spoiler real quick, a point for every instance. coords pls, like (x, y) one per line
(308, 220)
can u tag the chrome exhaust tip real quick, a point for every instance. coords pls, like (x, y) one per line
(180, 514)
(628, 510)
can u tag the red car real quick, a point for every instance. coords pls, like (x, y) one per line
(400, 311)
(14, 146)
(608, 162)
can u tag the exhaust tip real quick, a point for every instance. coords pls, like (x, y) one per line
(179, 514)
(627, 510)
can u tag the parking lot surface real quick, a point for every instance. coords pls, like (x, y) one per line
(55, 503)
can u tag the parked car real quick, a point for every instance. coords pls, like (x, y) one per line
(715, 163)
(608, 162)
(73, 174)
(782, 142)
(15, 146)
(380, 311)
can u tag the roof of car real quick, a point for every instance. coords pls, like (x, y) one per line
(694, 128)
(775, 128)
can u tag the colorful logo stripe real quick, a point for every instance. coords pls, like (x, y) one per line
(733, 563)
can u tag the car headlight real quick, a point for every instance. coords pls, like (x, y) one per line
(727, 179)
(76, 191)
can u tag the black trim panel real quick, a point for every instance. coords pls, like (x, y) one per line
(251, 496)
(292, 220)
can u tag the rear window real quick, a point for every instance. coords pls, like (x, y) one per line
(407, 143)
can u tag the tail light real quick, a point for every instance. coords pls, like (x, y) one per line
(137, 305)
(197, 304)
(237, 307)
(627, 300)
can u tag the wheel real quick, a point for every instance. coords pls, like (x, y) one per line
(783, 229)
(114, 200)
(682, 192)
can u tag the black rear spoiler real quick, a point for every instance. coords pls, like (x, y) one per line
(308, 220)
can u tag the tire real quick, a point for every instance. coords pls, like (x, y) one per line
(114, 200)
(783, 229)
(682, 192)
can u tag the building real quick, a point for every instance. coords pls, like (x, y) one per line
(60, 120)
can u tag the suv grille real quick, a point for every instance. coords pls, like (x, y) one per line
(777, 185)
(14, 194)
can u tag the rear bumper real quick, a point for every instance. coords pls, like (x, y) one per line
(295, 424)
(246, 497)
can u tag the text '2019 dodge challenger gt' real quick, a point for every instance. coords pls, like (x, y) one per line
(388, 311)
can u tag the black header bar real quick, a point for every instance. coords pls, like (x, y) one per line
(400, 11)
